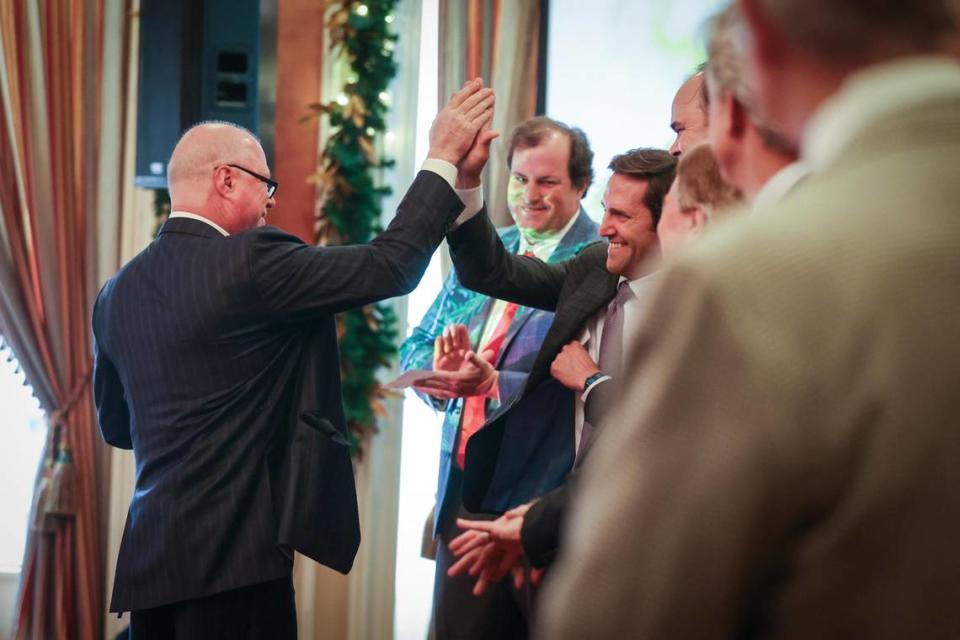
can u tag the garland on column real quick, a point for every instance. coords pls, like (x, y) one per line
(349, 201)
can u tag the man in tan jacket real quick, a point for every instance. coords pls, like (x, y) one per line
(787, 451)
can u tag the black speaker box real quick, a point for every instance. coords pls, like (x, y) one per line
(198, 61)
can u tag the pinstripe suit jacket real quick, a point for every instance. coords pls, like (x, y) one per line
(527, 447)
(216, 362)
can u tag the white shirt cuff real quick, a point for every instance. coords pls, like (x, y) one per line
(472, 203)
(472, 198)
(442, 168)
(599, 380)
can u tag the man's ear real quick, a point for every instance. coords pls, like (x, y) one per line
(698, 219)
(223, 180)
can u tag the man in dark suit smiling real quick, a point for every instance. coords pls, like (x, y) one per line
(216, 362)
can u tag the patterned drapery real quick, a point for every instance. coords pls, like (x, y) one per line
(61, 127)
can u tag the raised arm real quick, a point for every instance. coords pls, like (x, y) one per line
(483, 264)
(297, 281)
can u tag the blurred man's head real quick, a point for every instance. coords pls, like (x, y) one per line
(698, 194)
(688, 115)
(550, 172)
(632, 205)
(749, 151)
(218, 170)
(797, 53)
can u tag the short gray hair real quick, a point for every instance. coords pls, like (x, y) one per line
(724, 71)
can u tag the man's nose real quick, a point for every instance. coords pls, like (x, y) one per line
(606, 228)
(675, 147)
(271, 202)
(532, 193)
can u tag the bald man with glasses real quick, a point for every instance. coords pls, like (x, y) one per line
(217, 363)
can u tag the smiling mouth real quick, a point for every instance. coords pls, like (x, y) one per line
(616, 245)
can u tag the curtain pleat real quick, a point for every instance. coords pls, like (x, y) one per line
(51, 105)
(474, 36)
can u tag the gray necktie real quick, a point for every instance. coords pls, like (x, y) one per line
(610, 362)
(611, 341)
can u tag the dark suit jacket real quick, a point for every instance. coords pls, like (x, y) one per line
(521, 345)
(216, 361)
(527, 448)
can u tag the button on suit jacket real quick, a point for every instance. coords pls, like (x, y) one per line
(216, 362)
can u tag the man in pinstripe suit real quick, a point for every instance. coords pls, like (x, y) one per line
(216, 362)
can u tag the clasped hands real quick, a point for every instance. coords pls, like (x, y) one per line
(458, 371)
(491, 549)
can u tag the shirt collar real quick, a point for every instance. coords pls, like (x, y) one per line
(638, 285)
(545, 247)
(779, 185)
(193, 216)
(871, 95)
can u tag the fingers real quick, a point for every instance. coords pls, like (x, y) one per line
(480, 526)
(479, 362)
(461, 337)
(470, 87)
(536, 575)
(468, 541)
(460, 566)
(484, 138)
(517, 571)
(476, 103)
(519, 511)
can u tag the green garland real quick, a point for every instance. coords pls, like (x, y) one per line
(349, 200)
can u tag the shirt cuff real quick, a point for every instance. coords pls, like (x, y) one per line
(587, 391)
(472, 203)
(442, 168)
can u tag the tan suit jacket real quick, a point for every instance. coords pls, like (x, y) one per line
(786, 463)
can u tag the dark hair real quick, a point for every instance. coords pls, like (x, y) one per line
(532, 132)
(655, 166)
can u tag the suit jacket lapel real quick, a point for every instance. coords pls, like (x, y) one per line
(583, 232)
(596, 289)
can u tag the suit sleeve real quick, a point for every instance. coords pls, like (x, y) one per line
(483, 264)
(112, 412)
(299, 282)
(543, 524)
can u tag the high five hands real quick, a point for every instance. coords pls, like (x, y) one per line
(458, 370)
(453, 134)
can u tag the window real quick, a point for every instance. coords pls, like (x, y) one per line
(613, 67)
(22, 434)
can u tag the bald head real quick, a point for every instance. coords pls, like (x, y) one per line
(210, 173)
(688, 115)
(206, 145)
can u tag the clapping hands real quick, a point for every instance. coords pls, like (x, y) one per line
(458, 370)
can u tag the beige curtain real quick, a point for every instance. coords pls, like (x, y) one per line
(498, 40)
(60, 135)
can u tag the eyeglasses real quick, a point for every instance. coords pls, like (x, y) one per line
(271, 184)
